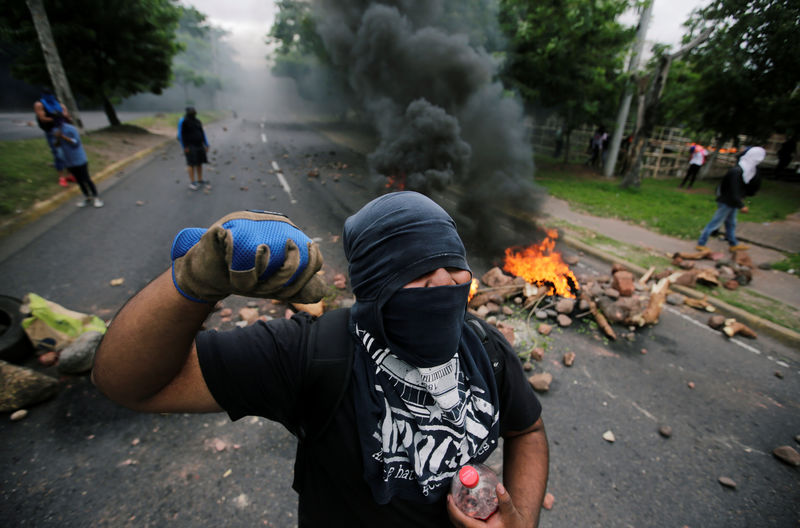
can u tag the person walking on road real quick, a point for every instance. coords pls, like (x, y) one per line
(419, 396)
(193, 139)
(740, 181)
(77, 163)
(697, 158)
(50, 114)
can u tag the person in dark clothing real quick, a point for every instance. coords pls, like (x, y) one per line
(785, 154)
(193, 139)
(740, 181)
(422, 397)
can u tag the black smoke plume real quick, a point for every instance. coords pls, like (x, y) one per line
(442, 118)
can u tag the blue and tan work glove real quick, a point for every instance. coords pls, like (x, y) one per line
(251, 253)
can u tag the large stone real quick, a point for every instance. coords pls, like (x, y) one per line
(495, 278)
(676, 299)
(493, 308)
(623, 283)
(742, 258)
(716, 321)
(537, 353)
(541, 381)
(78, 357)
(788, 455)
(563, 320)
(565, 306)
(508, 332)
(22, 387)
(545, 329)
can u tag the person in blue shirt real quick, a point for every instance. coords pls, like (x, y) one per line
(192, 138)
(50, 114)
(77, 163)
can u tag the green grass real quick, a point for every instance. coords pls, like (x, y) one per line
(628, 252)
(658, 204)
(27, 174)
(790, 262)
(757, 304)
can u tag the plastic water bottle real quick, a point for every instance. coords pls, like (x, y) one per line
(474, 490)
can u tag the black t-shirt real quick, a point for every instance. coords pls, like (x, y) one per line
(257, 371)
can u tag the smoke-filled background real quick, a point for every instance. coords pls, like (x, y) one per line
(432, 97)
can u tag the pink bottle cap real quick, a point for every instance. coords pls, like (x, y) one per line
(468, 476)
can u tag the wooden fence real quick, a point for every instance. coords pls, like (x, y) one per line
(666, 153)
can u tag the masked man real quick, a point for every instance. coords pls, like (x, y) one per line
(422, 397)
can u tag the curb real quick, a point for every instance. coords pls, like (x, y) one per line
(39, 209)
(786, 335)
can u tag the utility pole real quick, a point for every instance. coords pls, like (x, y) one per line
(625, 106)
(52, 59)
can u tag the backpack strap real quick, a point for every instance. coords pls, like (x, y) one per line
(489, 338)
(329, 364)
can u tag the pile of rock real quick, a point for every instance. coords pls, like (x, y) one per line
(714, 269)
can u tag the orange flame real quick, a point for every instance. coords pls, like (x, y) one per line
(473, 289)
(396, 182)
(538, 264)
(732, 150)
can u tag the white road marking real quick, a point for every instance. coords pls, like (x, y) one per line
(643, 411)
(745, 346)
(282, 180)
(263, 137)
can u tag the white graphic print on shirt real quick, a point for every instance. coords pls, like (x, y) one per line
(435, 426)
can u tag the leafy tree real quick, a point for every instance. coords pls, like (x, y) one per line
(110, 49)
(745, 78)
(567, 56)
(300, 54)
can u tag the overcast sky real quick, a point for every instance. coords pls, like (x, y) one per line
(249, 21)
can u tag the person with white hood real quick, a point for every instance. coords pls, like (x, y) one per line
(740, 181)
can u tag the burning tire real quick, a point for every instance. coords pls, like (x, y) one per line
(15, 346)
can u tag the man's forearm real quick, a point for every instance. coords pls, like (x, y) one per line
(525, 470)
(148, 343)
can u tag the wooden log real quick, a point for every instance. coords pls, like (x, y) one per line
(699, 304)
(651, 314)
(646, 277)
(699, 255)
(736, 327)
(602, 322)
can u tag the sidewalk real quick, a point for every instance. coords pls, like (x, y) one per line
(773, 284)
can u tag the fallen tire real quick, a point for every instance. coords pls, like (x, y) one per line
(15, 347)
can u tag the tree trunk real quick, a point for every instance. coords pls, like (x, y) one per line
(649, 104)
(54, 67)
(633, 177)
(111, 114)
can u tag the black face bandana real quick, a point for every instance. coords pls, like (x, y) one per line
(423, 325)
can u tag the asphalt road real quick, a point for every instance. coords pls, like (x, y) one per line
(80, 460)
